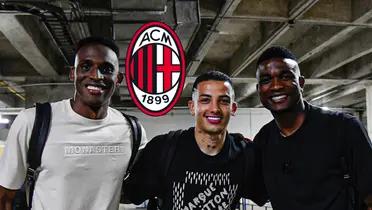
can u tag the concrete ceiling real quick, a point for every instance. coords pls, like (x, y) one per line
(331, 38)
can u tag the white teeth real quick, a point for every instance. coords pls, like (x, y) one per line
(214, 118)
(277, 98)
(94, 88)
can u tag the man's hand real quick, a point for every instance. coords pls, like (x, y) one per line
(368, 201)
(6, 198)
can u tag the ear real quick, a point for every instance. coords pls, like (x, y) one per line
(301, 80)
(72, 73)
(120, 78)
(191, 106)
(234, 108)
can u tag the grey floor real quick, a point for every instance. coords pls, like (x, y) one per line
(129, 207)
(247, 207)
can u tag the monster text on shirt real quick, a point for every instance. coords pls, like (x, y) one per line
(94, 149)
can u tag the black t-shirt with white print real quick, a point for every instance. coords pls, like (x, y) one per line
(199, 181)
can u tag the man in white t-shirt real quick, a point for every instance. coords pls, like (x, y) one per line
(89, 144)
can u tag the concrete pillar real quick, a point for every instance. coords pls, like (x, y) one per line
(369, 109)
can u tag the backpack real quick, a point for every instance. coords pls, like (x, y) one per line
(39, 135)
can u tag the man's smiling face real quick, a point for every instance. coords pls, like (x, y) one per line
(279, 84)
(212, 106)
(95, 75)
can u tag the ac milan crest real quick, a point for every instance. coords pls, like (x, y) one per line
(155, 68)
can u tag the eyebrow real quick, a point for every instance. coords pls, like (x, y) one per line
(107, 63)
(85, 60)
(264, 71)
(227, 96)
(221, 96)
(91, 61)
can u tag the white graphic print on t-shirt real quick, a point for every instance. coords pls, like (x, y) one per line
(116, 148)
(208, 191)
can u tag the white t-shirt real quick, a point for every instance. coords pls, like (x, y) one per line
(83, 162)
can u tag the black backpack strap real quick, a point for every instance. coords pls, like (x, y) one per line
(168, 153)
(38, 139)
(136, 141)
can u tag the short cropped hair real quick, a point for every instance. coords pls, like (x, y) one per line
(275, 52)
(98, 40)
(212, 75)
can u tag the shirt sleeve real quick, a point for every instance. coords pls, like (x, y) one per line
(254, 188)
(360, 157)
(13, 163)
(144, 139)
(143, 182)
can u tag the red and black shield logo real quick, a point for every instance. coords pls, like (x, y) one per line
(155, 68)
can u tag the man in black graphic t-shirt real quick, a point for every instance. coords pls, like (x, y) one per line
(209, 168)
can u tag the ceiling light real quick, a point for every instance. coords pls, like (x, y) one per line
(3, 120)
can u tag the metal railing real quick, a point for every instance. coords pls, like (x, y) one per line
(246, 204)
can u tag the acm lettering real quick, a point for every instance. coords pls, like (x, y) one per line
(156, 35)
